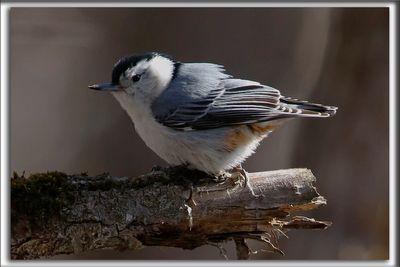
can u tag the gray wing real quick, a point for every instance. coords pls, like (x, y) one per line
(228, 102)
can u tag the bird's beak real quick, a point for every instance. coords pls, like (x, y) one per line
(105, 87)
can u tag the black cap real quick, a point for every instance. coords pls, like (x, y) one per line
(130, 61)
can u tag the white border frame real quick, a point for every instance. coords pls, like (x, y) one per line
(5, 172)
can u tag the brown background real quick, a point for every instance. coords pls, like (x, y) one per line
(334, 56)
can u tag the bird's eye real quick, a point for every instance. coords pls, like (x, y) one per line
(136, 78)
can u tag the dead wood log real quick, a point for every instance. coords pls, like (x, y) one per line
(54, 213)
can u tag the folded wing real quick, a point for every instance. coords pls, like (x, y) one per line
(238, 102)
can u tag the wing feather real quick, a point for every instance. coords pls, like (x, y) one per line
(233, 102)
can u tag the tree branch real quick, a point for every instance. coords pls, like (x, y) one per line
(53, 213)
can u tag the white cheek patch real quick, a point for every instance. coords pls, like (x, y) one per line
(160, 70)
(125, 79)
(163, 68)
(156, 74)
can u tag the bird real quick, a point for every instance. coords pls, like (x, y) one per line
(197, 115)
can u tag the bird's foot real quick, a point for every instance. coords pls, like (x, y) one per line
(221, 181)
(222, 177)
(236, 177)
(241, 178)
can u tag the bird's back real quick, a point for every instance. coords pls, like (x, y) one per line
(193, 82)
(202, 97)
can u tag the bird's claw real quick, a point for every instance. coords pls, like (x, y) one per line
(241, 176)
(242, 179)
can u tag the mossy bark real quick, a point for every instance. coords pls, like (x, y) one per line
(54, 213)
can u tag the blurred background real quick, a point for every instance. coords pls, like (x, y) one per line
(334, 56)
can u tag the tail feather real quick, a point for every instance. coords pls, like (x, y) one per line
(307, 109)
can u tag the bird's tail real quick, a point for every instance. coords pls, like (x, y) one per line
(305, 109)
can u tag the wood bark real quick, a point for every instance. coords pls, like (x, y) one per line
(54, 213)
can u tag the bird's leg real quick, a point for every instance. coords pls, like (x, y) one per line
(221, 181)
(236, 176)
(241, 175)
(222, 177)
(242, 178)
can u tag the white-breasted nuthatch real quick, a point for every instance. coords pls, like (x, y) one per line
(196, 114)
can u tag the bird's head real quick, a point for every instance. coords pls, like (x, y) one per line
(145, 75)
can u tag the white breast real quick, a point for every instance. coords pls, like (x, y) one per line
(204, 150)
(155, 135)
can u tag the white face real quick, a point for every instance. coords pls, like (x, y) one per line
(148, 78)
